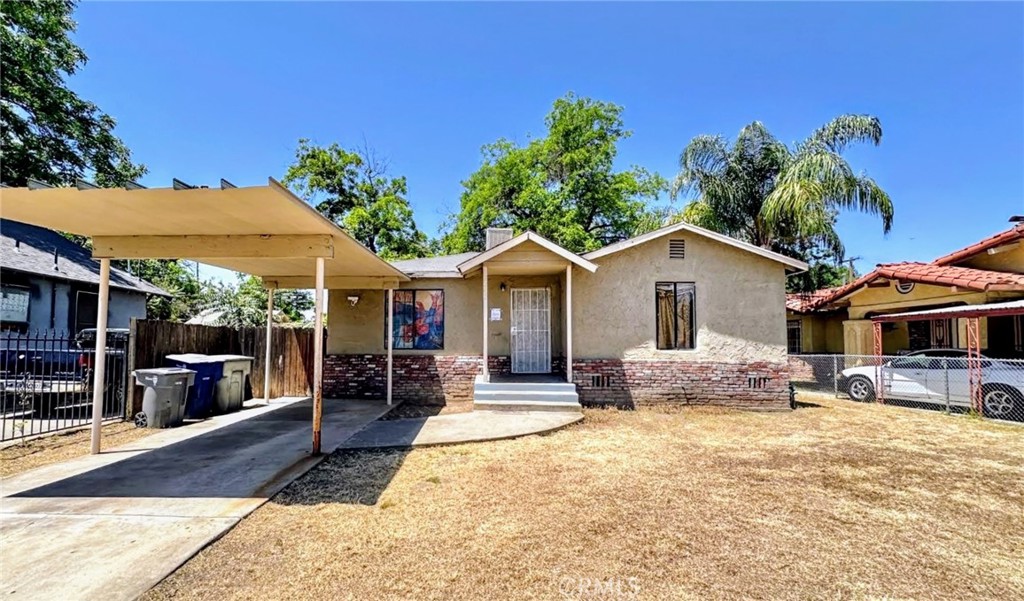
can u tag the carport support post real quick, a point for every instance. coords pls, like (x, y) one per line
(267, 358)
(974, 363)
(487, 375)
(568, 323)
(99, 363)
(876, 329)
(318, 355)
(391, 336)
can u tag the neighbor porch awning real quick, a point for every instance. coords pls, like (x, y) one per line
(984, 310)
(971, 313)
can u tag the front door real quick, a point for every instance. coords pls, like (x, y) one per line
(531, 331)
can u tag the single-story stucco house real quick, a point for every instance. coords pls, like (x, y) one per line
(681, 314)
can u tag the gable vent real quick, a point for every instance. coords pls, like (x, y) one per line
(677, 249)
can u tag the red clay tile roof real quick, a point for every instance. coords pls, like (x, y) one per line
(802, 302)
(947, 275)
(922, 273)
(1011, 235)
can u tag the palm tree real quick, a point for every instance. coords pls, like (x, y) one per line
(787, 199)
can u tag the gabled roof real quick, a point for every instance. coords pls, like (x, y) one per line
(981, 280)
(791, 264)
(1013, 234)
(487, 255)
(31, 249)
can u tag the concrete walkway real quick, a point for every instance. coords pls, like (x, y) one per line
(475, 426)
(111, 526)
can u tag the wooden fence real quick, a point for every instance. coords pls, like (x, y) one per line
(292, 353)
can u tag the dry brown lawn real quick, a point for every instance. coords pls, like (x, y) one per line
(839, 501)
(37, 452)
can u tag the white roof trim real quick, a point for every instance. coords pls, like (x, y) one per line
(480, 259)
(794, 264)
(1016, 304)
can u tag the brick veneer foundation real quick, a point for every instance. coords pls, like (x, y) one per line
(430, 379)
(631, 383)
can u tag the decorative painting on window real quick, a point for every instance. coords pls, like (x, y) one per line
(419, 320)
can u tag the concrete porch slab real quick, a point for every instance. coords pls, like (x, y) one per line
(476, 426)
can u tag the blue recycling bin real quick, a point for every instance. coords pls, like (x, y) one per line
(209, 370)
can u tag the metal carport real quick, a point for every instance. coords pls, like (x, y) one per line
(971, 313)
(264, 231)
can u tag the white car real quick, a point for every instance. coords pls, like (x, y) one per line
(934, 375)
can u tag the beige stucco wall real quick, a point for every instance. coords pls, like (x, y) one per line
(1009, 260)
(740, 303)
(887, 299)
(820, 332)
(360, 329)
(896, 338)
(740, 307)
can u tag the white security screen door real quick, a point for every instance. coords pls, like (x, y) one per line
(531, 331)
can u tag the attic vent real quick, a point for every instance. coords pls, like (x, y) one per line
(677, 249)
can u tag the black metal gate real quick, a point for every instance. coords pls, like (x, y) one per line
(47, 381)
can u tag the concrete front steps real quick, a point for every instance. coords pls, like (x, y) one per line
(508, 394)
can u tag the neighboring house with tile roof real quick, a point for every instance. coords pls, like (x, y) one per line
(838, 319)
(49, 283)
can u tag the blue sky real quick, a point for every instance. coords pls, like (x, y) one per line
(203, 91)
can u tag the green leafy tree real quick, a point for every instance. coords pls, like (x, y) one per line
(48, 132)
(562, 186)
(245, 303)
(188, 294)
(353, 189)
(787, 199)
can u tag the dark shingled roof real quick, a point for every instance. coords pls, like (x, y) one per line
(34, 255)
(445, 266)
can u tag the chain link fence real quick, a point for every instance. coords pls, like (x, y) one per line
(939, 380)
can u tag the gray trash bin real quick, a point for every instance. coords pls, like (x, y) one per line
(163, 401)
(229, 394)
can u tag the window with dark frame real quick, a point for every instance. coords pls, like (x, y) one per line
(419, 319)
(674, 312)
(794, 336)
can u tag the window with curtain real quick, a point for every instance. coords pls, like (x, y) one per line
(674, 310)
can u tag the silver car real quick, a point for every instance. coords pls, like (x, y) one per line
(938, 376)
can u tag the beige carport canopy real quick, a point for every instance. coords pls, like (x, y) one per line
(261, 230)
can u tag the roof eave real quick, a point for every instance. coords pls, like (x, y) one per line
(470, 265)
(793, 266)
(155, 291)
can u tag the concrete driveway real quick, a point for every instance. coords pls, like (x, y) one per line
(111, 526)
